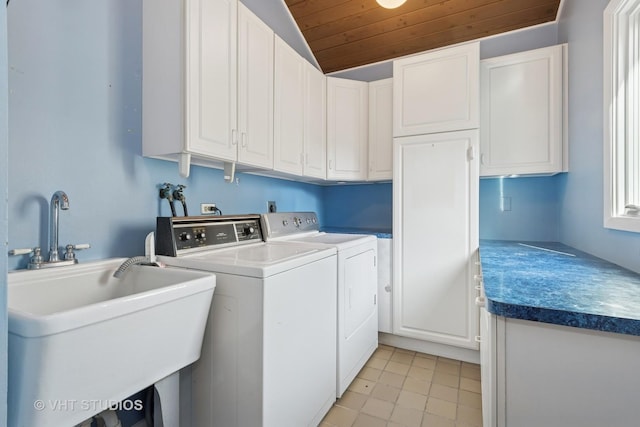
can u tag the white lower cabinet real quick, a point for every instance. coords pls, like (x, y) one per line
(488, 367)
(538, 374)
(385, 287)
(435, 226)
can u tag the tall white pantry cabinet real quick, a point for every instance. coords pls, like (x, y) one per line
(435, 191)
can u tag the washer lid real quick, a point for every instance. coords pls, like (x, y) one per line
(260, 260)
(265, 254)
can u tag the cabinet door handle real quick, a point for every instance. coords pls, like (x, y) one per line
(244, 139)
(482, 159)
(480, 302)
(330, 164)
(478, 338)
(387, 288)
(234, 137)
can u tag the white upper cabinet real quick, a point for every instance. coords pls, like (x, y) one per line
(289, 106)
(523, 111)
(381, 130)
(207, 84)
(210, 89)
(436, 91)
(255, 90)
(189, 100)
(315, 123)
(347, 117)
(299, 115)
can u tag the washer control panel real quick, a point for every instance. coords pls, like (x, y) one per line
(176, 235)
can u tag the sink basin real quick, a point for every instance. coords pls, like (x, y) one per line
(81, 340)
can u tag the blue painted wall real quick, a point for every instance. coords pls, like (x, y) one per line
(519, 209)
(361, 206)
(76, 126)
(581, 190)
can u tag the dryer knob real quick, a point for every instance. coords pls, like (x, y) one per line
(249, 230)
(185, 237)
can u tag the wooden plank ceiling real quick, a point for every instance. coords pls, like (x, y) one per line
(348, 33)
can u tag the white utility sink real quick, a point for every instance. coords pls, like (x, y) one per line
(81, 340)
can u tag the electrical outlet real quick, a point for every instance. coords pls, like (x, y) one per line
(271, 207)
(207, 208)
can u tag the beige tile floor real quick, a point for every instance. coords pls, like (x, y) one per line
(402, 388)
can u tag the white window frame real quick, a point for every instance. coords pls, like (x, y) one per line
(622, 115)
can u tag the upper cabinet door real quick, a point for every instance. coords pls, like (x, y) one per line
(189, 79)
(347, 117)
(522, 114)
(255, 90)
(289, 109)
(315, 123)
(211, 88)
(381, 130)
(437, 91)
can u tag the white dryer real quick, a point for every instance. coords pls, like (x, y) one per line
(357, 274)
(268, 355)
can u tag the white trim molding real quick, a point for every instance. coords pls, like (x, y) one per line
(622, 115)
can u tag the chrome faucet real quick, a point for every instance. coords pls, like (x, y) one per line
(59, 200)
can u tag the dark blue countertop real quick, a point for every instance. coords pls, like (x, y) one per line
(554, 283)
(379, 233)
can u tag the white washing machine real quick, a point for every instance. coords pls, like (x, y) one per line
(357, 336)
(268, 355)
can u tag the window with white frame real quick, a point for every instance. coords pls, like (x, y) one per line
(622, 115)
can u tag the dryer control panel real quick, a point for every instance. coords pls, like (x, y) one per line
(287, 223)
(176, 235)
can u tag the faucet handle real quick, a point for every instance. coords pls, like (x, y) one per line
(25, 251)
(69, 255)
(35, 260)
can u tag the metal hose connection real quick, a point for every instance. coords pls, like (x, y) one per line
(137, 260)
